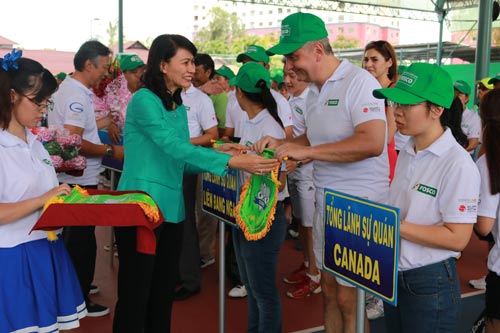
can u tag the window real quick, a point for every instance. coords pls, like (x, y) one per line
(288, 10)
(261, 24)
(340, 30)
(196, 18)
(341, 18)
(351, 30)
(270, 12)
(270, 24)
(280, 10)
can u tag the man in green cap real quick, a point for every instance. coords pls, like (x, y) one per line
(495, 81)
(345, 136)
(60, 77)
(471, 123)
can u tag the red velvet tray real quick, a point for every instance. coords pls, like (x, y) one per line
(116, 215)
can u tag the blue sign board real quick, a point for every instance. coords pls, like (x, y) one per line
(361, 243)
(220, 195)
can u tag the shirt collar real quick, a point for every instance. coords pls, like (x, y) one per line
(339, 74)
(438, 147)
(8, 139)
(259, 117)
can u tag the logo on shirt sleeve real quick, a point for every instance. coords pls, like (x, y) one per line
(371, 107)
(299, 110)
(76, 107)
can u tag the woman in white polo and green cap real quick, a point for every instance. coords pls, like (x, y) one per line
(436, 187)
(258, 259)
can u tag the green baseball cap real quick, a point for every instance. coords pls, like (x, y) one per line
(462, 86)
(61, 76)
(419, 83)
(494, 79)
(254, 52)
(402, 68)
(296, 30)
(130, 62)
(248, 77)
(278, 78)
(225, 71)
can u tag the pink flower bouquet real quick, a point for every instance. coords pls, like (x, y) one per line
(63, 149)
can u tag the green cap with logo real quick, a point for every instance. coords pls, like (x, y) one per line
(225, 71)
(419, 83)
(129, 62)
(296, 30)
(462, 87)
(248, 77)
(254, 52)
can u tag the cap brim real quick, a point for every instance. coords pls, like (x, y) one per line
(284, 48)
(493, 80)
(398, 95)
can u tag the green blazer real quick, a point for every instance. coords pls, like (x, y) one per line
(158, 153)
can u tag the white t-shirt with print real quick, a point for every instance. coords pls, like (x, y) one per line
(299, 109)
(471, 124)
(73, 105)
(26, 172)
(489, 207)
(436, 185)
(200, 111)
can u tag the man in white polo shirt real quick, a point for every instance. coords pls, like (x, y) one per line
(345, 137)
(74, 111)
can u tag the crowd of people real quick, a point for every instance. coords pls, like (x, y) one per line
(377, 132)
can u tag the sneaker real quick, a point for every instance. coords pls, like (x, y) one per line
(206, 263)
(238, 291)
(296, 276)
(478, 283)
(96, 310)
(94, 289)
(293, 233)
(304, 289)
(375, 309)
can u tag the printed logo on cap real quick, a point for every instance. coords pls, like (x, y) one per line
(251, 49)
(135, 59)
(285, 30)
(408, 78)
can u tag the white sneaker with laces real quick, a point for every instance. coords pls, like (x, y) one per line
(374, 308)
(478, 283)
(238, 291)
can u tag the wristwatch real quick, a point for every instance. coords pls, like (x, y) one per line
(109, 150)
(299, 164)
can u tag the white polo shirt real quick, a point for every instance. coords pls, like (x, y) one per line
(254, 129)
(26, 172)
(436, 185)
(200, 111)
(471, 124)
(489, 207)
(73, 105)
(346, 101)
(236, 117)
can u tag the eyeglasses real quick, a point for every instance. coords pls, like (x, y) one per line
(403, 107)
(41, 106)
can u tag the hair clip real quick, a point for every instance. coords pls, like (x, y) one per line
(9, 60)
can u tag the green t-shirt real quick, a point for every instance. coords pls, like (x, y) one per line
(220, 104)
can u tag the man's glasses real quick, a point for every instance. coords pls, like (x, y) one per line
(41, 106)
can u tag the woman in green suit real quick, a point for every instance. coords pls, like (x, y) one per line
(156, 141)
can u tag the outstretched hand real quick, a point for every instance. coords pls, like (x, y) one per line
(253, 163)
(266, 142)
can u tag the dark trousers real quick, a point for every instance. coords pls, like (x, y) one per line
(189, 266)
(82, 248)
(146, 283)
(232, 272)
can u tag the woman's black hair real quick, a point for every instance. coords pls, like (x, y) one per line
(490, 118)
(266, 99)
(452, 118)
(30, 78)
(164, 48)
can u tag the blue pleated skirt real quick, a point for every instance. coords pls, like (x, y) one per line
(39, 289)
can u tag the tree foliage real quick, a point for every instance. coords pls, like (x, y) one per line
(343, 42)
